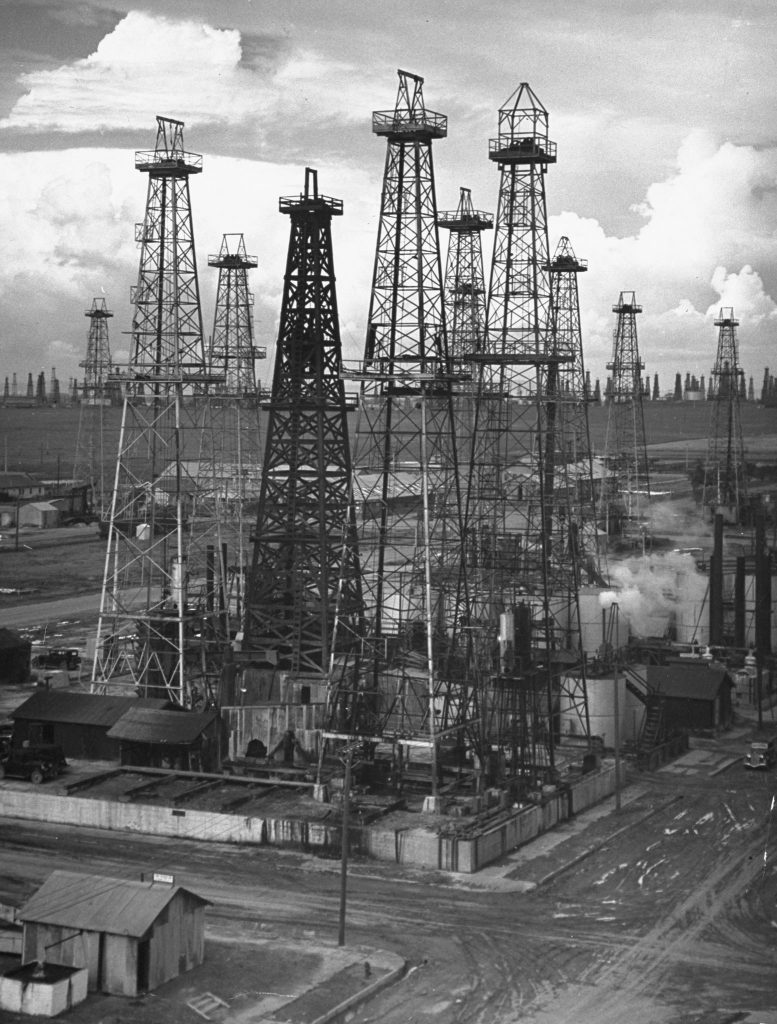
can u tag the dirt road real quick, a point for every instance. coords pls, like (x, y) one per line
(671, 922)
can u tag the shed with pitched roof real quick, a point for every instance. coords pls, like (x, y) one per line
(157, 738)
(696, 694)
(78, 722)
(131, 936)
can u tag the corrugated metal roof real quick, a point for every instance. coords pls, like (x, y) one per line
(80, 708)
(97, 904)
(687, 680)
(149, 725)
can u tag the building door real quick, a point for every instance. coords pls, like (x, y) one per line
(144, 957)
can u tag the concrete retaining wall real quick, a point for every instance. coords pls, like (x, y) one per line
(421, 847)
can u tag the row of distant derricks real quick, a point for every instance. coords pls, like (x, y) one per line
(404, 577)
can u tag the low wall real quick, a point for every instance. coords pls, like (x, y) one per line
(421, 847)
(651, 761)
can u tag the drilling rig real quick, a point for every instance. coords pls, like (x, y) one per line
(162, 628)
(303, 603)
(626, 492)
(406, 479)
(725, 480)
(96, 394)
(234, 428)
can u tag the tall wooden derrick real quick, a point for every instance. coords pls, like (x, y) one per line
(725, 480)
(522, 545)
(303, 603)
(627, 491)
(235, 459)
(92, 444)
(161, 625)
(406, 465)
(465, 290)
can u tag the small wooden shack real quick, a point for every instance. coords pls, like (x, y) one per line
(696, 694)
(78, 722)
(40, 514)
(132, 936)
(154, 738)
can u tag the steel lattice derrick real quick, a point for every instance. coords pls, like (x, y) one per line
(162, 622)
(167, 333)
(568, 499)
(522, 549)
(232, 352)
(305, 558)
(97, 393)
(465, 291)
(405, 461)
(234, 413)
(628, 486)
(725, 481)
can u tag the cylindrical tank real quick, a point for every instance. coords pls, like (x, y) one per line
(601, 712)
(595, 604)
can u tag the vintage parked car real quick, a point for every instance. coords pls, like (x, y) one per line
(762, 754)
(55, 657)
(35, 761)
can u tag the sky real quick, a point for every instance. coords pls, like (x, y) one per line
(663, 114)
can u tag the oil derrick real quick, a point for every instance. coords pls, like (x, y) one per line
(627, 489)
(523, 543)
(305, 547)
(91, 448)
(405, 463)
(567, 499)
(568, 469)
(725, 482)
(234, 413)
(161, 616)
(465, 292)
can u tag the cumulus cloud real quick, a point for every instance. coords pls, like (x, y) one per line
(67, 230)
(701, 236)
(145, 62)
(189, 70)
(716, 210)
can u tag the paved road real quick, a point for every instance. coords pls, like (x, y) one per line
(669, 921)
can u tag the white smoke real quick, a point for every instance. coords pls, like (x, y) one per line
(657, 592)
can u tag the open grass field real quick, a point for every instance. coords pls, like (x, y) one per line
(43, 440)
